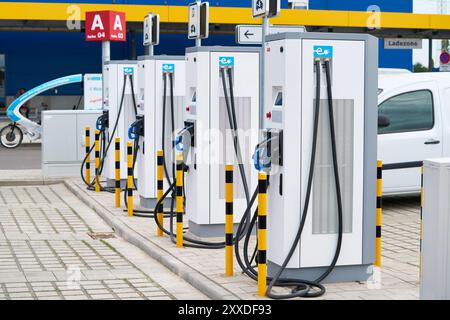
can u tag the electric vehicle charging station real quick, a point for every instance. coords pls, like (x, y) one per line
(298, 67)
(207, 123)
(121, 81)
(161, 78)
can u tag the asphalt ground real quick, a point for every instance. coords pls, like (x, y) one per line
(26, 156)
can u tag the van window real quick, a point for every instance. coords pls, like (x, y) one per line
(411, 111)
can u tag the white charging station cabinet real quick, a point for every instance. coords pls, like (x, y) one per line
(114, 76)
(152, 71)
(435, 273)
(213, 143)
(64, 141)
(290, 89)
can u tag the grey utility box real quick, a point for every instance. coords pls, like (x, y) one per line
(63, 141)
(435, 278)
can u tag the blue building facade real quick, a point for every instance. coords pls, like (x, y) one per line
(31, 58)
(401, 58)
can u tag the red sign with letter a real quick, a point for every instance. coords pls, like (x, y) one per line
(106, 26)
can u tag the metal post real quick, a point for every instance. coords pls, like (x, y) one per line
(149, 50)
(179, 200)
(262, 68)
(133, 45)
(198, 42)
(262, 235)
(88, 156)
(106, 51)
(379, 213)
(160, 192)
(106, 57)
(130, 181)
(229, 221)
(118, 176)
(97, 161)
(430, 55)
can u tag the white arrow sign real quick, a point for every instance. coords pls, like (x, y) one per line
(252, 34)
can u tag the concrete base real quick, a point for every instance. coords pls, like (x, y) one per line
(209, 230)
(148, 203)
(340, 274)
(123, 183)
(58, 169)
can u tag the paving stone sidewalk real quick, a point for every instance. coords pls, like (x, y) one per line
(24, 177)
(397, 280)
(46, 252)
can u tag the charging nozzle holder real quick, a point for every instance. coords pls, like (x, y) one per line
(185, 139)
(270, 151)
(103, 121)
(137, 128)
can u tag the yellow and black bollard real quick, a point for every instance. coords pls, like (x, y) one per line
(88, 156)
(179, 200)
(130, 182)
(229, 221)
(97, 161)
(262, 235)
(379, 213)
(118, 176)
(160, 191)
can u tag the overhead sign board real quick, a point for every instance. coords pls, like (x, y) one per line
(106, 26)
(259, 8)
(194, 21)
(402, 43)
(198, 25)
(151, 30)
(265, 8)
(252, 34)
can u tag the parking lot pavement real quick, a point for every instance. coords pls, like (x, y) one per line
(26, 156)
(398, 278)
(52, 246)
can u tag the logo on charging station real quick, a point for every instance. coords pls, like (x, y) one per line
(323, 52)
(128, 70)
(168, 67)
(226, 62)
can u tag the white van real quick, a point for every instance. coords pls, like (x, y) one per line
(414, 125)
(392, 71)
